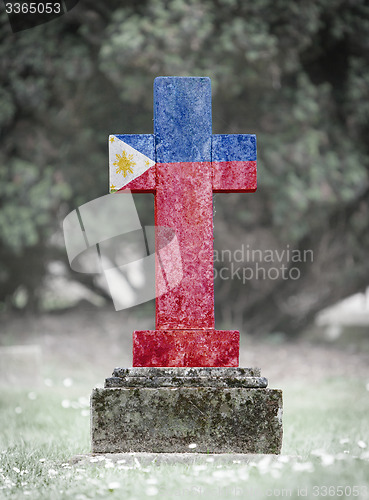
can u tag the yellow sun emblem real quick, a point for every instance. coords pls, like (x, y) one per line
(124, 163)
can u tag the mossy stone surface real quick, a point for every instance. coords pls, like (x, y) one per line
(168, 420)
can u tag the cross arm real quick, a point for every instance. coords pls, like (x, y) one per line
(132, 163)
(234, 163)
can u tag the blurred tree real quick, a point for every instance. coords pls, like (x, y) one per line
(296, 74)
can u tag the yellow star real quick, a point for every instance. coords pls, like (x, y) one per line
(147, 163)
(124, 163)
(112, 139)
(112, 186)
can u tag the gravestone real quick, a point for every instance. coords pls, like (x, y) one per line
(185, 391)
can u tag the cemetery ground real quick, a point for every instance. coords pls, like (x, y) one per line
(44, 425)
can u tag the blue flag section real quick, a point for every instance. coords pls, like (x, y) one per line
(234, 147)
(182, 118)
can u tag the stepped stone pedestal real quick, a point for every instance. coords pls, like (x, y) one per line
(169, 410)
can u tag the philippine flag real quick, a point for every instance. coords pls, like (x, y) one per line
(127, 163)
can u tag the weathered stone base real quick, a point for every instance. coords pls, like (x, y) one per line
(127, 416)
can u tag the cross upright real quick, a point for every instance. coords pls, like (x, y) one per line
(184, 165)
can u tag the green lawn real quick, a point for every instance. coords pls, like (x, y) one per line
(325, 451)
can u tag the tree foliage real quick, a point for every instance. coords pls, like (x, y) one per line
(294, 73)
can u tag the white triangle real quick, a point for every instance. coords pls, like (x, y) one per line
(125, 163)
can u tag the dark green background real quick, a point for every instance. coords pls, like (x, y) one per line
(294, 73)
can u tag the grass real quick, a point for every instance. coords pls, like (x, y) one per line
(325, 451)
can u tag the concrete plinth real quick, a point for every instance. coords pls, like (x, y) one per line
(169, 410)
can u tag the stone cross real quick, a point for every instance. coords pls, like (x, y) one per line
(186, 164)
